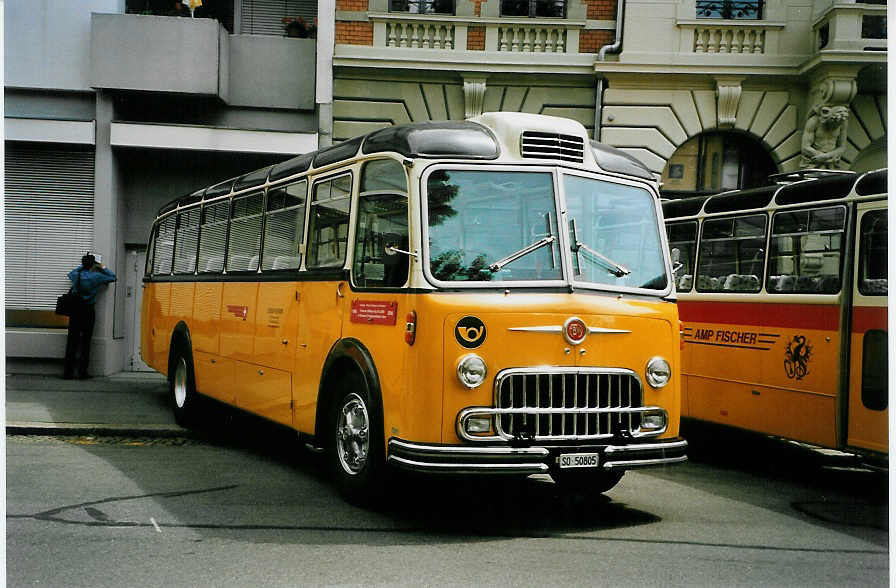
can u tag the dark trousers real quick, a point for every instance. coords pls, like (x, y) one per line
(77, 346)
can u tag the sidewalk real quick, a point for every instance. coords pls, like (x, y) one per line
(127, 403)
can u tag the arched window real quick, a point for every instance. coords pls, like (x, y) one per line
(714, 162)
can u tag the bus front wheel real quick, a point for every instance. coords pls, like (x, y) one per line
(356, 446)
(182, 387)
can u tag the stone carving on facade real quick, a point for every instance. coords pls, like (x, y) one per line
(824, 138)
(728, 92)
(474, 95)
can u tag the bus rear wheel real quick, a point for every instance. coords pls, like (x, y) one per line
(356, 446)
(182, 388)
(587, 482)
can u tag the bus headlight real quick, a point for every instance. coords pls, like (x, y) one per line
(658, 372)
(471, 370)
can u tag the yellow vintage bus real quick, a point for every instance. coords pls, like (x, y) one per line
(783, 295)
(485, 296)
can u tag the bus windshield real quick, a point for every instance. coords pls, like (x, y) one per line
(614, 234)
(501, 226)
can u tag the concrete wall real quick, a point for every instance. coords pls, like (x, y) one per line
(155, 53)
(47, 42)
(286, 79)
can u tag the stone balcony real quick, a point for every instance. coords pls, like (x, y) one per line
(450, 33)
(198, 56)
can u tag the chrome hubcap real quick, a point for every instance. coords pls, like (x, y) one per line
(352, 435)
(180, 383)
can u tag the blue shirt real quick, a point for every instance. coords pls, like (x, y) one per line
(90, 282)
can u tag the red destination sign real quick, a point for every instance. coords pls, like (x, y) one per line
(374, 312)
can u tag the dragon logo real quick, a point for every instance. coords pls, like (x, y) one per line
(796, 357)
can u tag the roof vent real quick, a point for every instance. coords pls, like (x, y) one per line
(542, 145)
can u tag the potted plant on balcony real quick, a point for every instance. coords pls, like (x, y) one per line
(299, 27)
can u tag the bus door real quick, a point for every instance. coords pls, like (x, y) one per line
(322, 293)
(867, 404)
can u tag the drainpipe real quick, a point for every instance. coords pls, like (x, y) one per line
(614, 47)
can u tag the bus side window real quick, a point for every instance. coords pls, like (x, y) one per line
(187, 239)
(213, 236)
(732, 254)
(328, 224)
(284, 227)
(873, 254)
(805, 251)
(164, 246)
(683, 237)
(244, 240)
(382, 224)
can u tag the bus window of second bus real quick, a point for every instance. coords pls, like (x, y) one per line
(732, 254)
(873, 251)
(805, 251)
(683, 238)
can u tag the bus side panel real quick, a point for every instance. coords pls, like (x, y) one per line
(214, 376)
(868, 410)
(158, 297)
(768, 367)
(237, 324)
(320, 327)
(377, 320)
(206, 314)
(802, 370)
(148, 313)
(182, 295)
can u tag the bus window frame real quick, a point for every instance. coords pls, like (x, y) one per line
(250, 193)
(354, 219)
(424, 227)
(700, 240)
(862, 249)
(695, 245)
(841, 253)
(202, 207)
(663, 242)
(343, 170)
(283, 185)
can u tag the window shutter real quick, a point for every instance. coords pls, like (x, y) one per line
(265, 17)
(49, 221)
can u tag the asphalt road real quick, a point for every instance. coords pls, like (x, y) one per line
(251, 508)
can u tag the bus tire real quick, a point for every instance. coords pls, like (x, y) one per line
(182, 387)
(588, 482)
(356, 454)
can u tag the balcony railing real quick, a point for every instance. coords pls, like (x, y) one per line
(449, 33)
(747, 37)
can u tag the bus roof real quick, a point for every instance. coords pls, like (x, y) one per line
(805, 190)
(550, 138)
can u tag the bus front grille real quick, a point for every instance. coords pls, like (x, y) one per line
(552, 146)
(568, 404)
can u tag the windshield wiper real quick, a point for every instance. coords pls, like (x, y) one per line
(522, 252)
(617, 269)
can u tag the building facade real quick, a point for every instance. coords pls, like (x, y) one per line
(113, 107)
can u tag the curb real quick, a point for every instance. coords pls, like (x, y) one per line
(98, 429)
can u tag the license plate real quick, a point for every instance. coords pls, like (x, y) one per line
(579, 460)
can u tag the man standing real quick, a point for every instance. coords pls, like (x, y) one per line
(86, 281)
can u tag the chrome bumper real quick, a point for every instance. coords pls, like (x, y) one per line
(466, 459)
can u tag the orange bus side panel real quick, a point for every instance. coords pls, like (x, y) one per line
(867, 429)
(160, 325)
(237, 324)
(206, 313)
(320, 326)
(214, 376)
(264, 391)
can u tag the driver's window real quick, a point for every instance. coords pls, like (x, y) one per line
(381, 256)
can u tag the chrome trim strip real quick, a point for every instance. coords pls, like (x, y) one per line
(514, 468)
(643, 463)
(461, 449)
(559, 329)
(646, 447)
